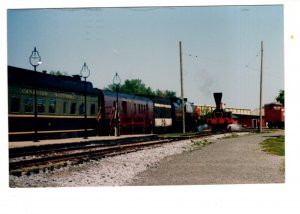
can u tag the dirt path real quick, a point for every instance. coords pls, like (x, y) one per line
(227, 161)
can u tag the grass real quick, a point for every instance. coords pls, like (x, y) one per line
(171, 135)
(178, 134)
(198, 144)
(274, 145)
(233, 135)
(201, 143)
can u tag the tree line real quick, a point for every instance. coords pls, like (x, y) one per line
(136, 86)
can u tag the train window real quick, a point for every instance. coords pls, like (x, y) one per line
(28, 105)
(93, 109)
(15, 104)
(134, 108)
(41, 105)
(73, 108)
(52, 106)
(65, 108)
(124, 107)
(81, 109)
(160, 112)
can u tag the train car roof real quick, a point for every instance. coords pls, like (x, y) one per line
(273, 104)
(24, 77)
(125, 96)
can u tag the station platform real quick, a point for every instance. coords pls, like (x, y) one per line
(109, 140)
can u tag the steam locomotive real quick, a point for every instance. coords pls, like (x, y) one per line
(219, 119)
(49, 106)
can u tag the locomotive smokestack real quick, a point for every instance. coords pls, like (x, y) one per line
(218, 98)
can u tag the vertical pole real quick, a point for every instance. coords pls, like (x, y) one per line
(181, 84)
(35, 110)
(261, 85)
(85, 115)
(117, 109)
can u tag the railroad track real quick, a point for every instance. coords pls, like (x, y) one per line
(36, 161)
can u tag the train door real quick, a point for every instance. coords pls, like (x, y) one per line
(254, 123)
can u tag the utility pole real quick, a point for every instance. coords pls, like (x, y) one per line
(261, 85)
(181, 85)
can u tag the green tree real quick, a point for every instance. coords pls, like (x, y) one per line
(280, 97)
(136, 86)
(166, 93)
(59, 73)
(159, 93)
(170, 93)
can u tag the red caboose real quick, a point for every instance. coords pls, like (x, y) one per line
(274, 115)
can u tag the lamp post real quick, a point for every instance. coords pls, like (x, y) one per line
(35, 60)
(117, 81)
(85, 73)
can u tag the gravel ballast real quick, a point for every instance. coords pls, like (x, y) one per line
(138, 168)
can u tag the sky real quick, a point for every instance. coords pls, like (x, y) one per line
(220, 47)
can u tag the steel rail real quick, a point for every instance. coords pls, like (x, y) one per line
(34, 161)
(44, 160)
